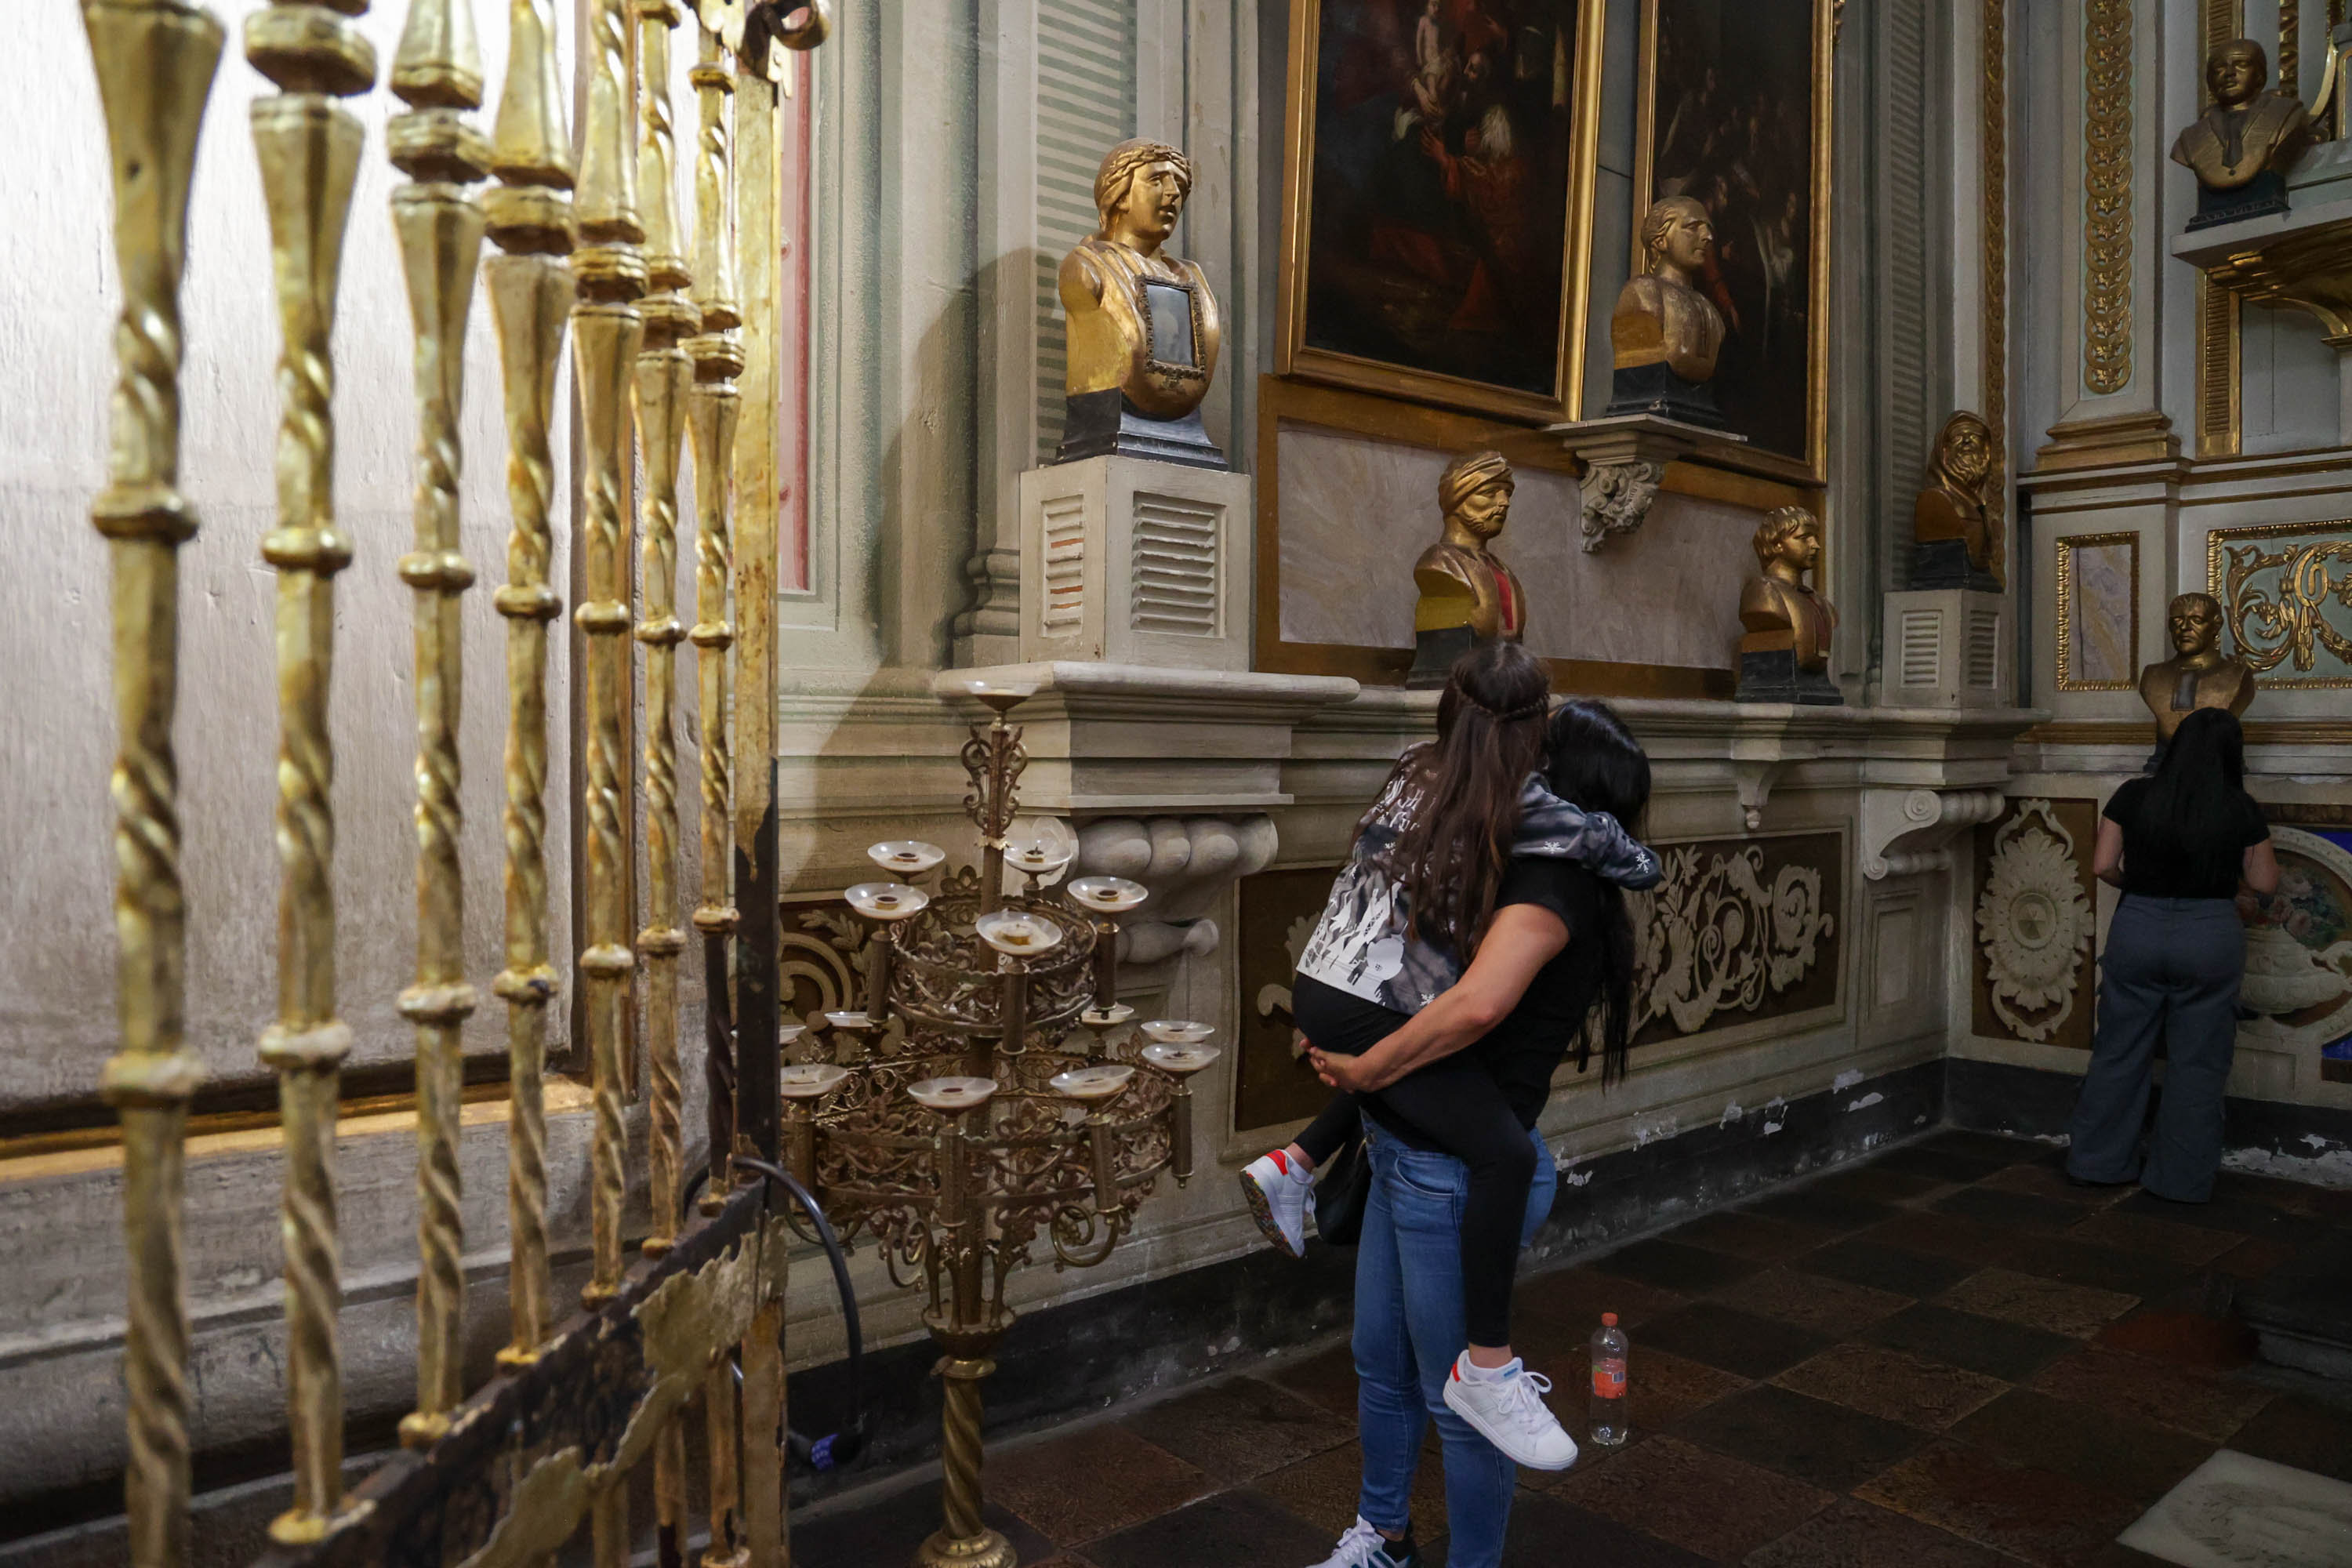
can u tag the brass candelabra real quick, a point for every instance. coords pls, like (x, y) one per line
(989, 1096)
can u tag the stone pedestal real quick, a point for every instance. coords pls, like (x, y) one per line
(1134, 561)
(1949, 647)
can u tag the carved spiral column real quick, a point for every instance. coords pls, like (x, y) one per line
(310, 148)
(530, 218)
(155, 65)
(717, 358)
(438, 72)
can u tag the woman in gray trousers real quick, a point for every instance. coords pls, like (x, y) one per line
(2177, 844)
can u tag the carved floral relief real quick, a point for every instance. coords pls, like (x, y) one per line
(2035, 922)
(1740, 926)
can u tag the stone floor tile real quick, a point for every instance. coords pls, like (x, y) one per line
(2047, 1179)
(2038, 1303)
(2006, 1351)
(2010, 1210)
(1238, 1428)
(1990, 1148)
(1660, 1388)
(2135, 1459)
(1884, 1267)
(1324, 1491)
(2292, 1430)
(2191, 1338)
(2253, 1258)
(1547, 1532)
(2334, 1204)
(1091, 1483)
(1944, 1164)
(1671, 1265)
(2189, 1243)
(1822, 1210)
(1750, 1235)
(2173, 1397)
(1828, 1445)
(891, 1530)
(1859, 1535)
(1575, 1298)
(1872, 1185)
(2238, 1214)
(1215, 1532)
(2072, 1262)
(2044, 1518)
(1812, 1301)
(1326, 1378)
(1732, 1340)
(2245, 1513)
(1719, 1508)
(1893, 1385)
(1955, 1236)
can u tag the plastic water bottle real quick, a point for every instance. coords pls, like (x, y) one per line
(1608, 1408)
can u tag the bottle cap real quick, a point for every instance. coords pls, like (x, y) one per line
(1608, 1320)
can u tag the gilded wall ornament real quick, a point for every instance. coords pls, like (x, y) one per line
(2278, 602)
(1717, 936)
(1994, 160)
(2106, 194)
(2033, 922)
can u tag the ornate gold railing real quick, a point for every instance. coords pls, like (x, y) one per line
(508, 1475)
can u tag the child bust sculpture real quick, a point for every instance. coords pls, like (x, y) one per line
(2239, 148)
(1664, 334)
(1144, 330)
(1468, 597)
(1957, 541)
(1784, 656)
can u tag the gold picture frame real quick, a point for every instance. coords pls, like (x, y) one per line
(2067, 642)
(2291, 607)
(1296, 357)
(1811, 465)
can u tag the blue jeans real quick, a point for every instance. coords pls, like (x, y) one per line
(1410, 1327)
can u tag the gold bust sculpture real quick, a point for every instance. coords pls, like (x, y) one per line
(1144, 330)
(2239, 148)
(2200, 675)
(1664, 334)
(1784, 653)
(1953, 522)
(1468, 595)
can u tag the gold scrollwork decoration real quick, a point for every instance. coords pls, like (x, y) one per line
(2107, 195)
(2277, 601)
(1995, 159)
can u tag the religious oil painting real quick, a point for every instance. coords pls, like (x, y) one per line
(1438, 181)
(1735, 112)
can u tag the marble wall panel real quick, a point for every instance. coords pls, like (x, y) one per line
(1354, 512)
(2098, 612)
(1273, 1085)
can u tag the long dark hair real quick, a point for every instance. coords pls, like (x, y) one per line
(1595, 762)
(2198, 797)
(1464, 790)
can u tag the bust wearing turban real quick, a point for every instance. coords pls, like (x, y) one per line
(1143, 326)
(1468, 595)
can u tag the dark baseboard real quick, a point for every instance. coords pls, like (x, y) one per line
(2030, 1102)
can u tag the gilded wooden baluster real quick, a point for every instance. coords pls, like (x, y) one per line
(664, 372)
(155, 64)
(438, 72)
(611, 269)
(718, 360)
(308, 147)
(530, 218)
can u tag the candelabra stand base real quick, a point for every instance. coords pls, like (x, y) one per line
(986, 1550)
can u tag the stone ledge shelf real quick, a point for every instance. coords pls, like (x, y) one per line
(1625, 460)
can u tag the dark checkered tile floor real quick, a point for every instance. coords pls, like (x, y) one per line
(1946, 1357)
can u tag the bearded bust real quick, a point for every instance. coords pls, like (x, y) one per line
(1468, 597)
(1955, 521)
(1144, 330)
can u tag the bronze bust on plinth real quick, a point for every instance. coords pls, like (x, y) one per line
(1955, 524)
(2199, 674)
(2241, 147)
(1144, 330)
(1664, 334)
(1784, 656)
(1468, 597)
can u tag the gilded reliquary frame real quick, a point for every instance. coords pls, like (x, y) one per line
(1374, 301)
(1681, 129)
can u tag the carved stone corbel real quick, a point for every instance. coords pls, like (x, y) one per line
(1187, 863)
(1904, 832)
(1625, 460)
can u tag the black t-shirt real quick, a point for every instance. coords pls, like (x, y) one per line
(2210, 871)
(1525, 1049)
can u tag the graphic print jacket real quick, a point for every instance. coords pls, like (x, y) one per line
(1362, 944)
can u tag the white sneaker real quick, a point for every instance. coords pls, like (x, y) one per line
(1509, 1411)
(1276, 1191)
(1365, 1547)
